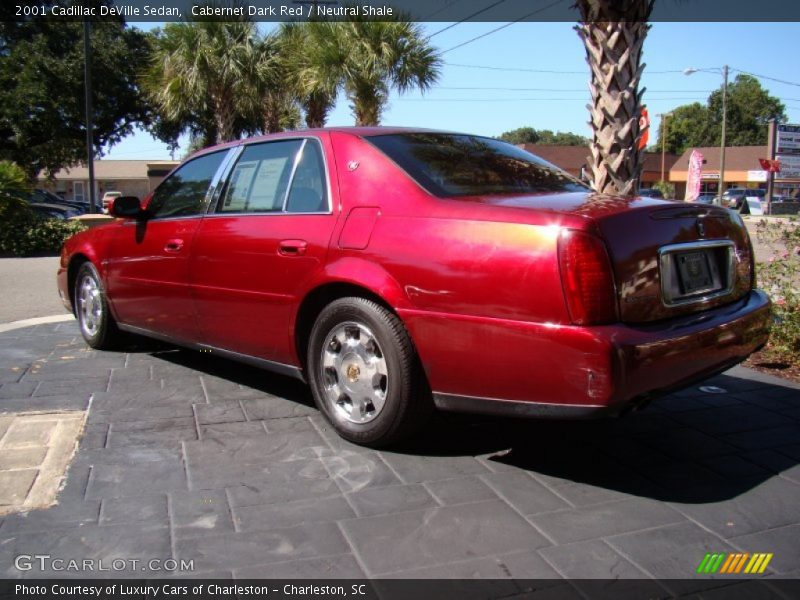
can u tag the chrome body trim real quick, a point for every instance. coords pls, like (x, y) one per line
(261, 363)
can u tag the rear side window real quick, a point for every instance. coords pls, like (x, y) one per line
(183, 193)
(449, 165)
(276, 177)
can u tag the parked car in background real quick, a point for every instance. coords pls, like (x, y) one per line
(107, 198)
(734, 197)
(397, 269)
(54, 211)
(706, 199)
(38, 196)
(650, 193)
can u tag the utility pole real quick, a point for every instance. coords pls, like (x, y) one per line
(722, 143)
(664, 117)
(771, 138)
(87, 76)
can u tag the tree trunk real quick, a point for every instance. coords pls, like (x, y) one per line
(225, 119)
(271, 115)
(613, 33)
(368, 99)
(316, 108)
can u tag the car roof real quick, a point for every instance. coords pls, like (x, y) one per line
(58, 207)
(352, 130)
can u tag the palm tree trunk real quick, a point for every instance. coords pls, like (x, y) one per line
(316, 107)
(225, 120)
(614, 39)
(368, 99)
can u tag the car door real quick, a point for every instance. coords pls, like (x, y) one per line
(148, 267)
(264, 240)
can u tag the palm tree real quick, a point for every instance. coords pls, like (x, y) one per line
(302, 48)
(613, 32)
(368, 59)
(277, 87)
(203, 76)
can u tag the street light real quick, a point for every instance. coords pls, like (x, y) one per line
(724, 71)
(664, 117)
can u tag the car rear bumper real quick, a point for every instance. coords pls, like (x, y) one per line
(543, 370)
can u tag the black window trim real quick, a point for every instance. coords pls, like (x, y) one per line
(213, 208)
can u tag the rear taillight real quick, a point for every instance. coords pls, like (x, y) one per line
(587, 279)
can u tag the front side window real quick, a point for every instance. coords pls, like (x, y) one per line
(448, 165)
(274, 177)
(183, 193)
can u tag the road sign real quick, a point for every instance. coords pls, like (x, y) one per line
(788, 140)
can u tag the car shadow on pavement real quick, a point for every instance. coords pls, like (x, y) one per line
(216, 366)
(690, 447)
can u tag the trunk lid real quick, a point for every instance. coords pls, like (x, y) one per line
(674, 259)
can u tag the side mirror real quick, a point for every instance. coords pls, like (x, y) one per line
(127, 207)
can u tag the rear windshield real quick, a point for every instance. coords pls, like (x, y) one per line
(448, 165)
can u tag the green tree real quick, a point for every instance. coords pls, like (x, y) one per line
(544, 137)
(303, 48)
(277, 83)
(42, 114)
(750, 107)
(687, 127)
(203, 77)
(14, 182)
(521, 135)
(370, 58)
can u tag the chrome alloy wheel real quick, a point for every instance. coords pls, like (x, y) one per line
(90, 305)
(354, 374)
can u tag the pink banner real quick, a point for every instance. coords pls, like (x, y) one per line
(693, 178)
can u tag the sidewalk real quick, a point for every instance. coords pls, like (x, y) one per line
(190, 457)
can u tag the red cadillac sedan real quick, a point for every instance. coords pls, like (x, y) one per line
(396, 270)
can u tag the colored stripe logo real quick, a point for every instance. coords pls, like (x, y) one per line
(734, 563)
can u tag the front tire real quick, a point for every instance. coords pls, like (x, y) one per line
(95, 321)
(364, 373)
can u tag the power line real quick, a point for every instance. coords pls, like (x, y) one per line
(400, 99)
(766, 77)
(522, 89)
(475, 14)
(522, 18)
(558, 72)
(436, 12)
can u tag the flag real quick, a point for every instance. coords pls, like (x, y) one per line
(694, 176)
(644, 127)
(771, 166)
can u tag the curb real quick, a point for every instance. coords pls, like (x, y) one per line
(35, 321)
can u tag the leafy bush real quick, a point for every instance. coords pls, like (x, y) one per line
(780, 278)
(13, 180)
(22, 231)
(666, 188)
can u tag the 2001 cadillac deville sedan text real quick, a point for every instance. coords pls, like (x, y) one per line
(397, 269)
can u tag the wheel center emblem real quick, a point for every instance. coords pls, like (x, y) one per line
(352, 373)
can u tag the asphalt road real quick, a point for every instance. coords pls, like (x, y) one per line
(28, 288)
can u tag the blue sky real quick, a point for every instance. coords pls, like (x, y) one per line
(555, 98)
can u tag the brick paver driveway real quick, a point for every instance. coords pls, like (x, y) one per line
(189, 456)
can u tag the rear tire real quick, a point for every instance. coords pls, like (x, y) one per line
(95, 321)
(365, 375)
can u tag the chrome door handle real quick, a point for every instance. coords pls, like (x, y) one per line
(292, 247)
(173, 246)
